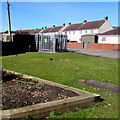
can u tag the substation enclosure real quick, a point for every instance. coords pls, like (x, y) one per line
(51, 43)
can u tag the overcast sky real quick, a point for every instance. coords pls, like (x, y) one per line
(31, 15)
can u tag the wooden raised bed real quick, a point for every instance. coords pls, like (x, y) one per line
(46, 96)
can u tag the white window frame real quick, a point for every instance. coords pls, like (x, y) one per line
(91, 31)
(103, 38)
(73, 32)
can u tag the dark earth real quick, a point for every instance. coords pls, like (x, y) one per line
(20, 92)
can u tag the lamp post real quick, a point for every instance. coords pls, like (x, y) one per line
(9, 22)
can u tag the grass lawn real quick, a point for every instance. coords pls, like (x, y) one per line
(69, 71)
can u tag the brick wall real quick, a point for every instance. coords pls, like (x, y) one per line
(75, 45)
(95, 46)
(104, 47)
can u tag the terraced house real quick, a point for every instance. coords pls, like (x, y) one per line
(87, 31)
(52, 30)
(110, 37)
(98, 35)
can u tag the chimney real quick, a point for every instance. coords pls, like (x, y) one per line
(42, 27)
(84, 21)
(106, 18)
(63, 24)
(45, 27)
(69, 23)
(53, 25)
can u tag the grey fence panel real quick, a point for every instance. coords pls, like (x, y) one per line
(37, 42)
(40, 43)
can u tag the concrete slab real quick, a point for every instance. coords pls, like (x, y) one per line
(43, 109)
(103, 85)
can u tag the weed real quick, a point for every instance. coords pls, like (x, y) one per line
(53, 114)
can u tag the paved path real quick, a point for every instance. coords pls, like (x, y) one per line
(107, 54)
(103, 85)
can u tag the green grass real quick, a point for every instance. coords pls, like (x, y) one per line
(70, 73)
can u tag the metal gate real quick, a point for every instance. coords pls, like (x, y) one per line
(51, 43)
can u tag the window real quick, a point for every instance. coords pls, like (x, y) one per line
(69, 32)
(86, 31)
(7, 38)
(103, 39)
(91, 31)
(73, 32)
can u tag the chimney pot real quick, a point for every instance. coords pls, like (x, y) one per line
(45, 27)
(84, 21)
(69, 23)
(53, 25)
(63, 24)
(42, 27)
(106, 18)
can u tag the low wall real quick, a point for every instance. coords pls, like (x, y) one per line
(104, 47)
(95, 46)
(75, 45)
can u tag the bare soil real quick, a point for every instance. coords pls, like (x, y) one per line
(20, 92)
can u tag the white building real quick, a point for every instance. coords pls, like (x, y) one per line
(75, 31)
(110, 37)
(53, 30)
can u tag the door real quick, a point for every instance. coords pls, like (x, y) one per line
(96, 39)
(57, 45)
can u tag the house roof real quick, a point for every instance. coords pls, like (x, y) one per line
(56, 29)
(93, 24)
(46, 30)
(114, 26)
(86, 25)
(52, 29)
(73, 27)
(33, 31)
(89, 35)
(20, 32)
(115, 31)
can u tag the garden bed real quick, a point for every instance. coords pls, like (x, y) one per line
(20, 92)
(24, 95)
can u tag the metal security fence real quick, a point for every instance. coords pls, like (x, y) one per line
(51, 43)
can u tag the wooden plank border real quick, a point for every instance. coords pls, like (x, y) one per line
(43, 109)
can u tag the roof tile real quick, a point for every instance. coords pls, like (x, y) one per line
(87, 25)
(52, 29)
(26, 31)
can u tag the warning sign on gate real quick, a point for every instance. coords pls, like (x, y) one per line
(45, 40)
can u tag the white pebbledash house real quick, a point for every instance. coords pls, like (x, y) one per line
(84, 30)
(110, 37)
